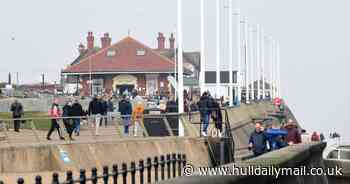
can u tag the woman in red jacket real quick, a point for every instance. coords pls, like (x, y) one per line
(55, 113)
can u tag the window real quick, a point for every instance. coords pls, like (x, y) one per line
(97, 86)
(111, 53)
(333, 154)
(140, 52)
(345, 154)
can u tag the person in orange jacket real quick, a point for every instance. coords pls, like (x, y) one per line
(137, 116)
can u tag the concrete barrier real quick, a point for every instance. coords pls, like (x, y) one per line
(309, 155)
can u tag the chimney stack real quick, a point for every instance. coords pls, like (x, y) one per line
(172, 41)
(81, 48)
(106, 40)
(90, 41)
(161, 41)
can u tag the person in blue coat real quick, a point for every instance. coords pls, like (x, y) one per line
(276, 137)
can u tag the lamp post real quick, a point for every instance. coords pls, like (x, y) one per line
(238, 55)
(230, 51)
(217, 48)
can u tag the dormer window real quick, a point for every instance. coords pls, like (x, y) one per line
(140, 52)
(111, 53)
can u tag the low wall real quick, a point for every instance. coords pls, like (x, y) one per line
(87, 155)
(309, 155)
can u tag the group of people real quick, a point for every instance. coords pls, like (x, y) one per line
(72, 113)
(274, 137)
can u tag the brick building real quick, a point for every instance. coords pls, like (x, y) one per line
(125, 65)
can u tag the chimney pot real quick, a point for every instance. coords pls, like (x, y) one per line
(172, 41)
(90, 40)
(106, 40)
(161, 41)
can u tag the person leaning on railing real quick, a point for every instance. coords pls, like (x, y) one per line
(17, 112)
(125, 109)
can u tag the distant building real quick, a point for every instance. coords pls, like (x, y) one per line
(126, 65)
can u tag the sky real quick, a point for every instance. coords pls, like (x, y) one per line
(42, 36)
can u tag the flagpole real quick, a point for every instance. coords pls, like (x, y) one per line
(202, 54)
(251, 48)
(179, 57)
(217, 49)
(262, 37)
(258, 57)
(230, 35)
(247, 58)
(238, 55)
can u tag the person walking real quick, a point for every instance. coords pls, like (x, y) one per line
(293, 134)
(104, 105)
(67, 121)
(77, 112)
(95, 110)
(216, 115)
(125, 109)
(110, 109)
(55, 113)
(258, 140)
(276, 137)
(17, 112)
(203, 105)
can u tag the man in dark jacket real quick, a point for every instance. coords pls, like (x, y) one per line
(77, 110)
(104, 111)
(258, 140)
(110, 109)
(67, 112)
(17, 112)
(216, 115)
(95, 110)
(203, 105)
(171, 106)
(125, 109)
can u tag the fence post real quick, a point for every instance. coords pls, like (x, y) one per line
(38, 179)
(20, 180)
(173, 160)
(94, 175)
(115, 173)
(179, 162)
(156, 166)
(105, 174)
(168, 162)
(162, 167)
(82, 176)
(183, 160)
(55, 179)
(149, 167)
(142, 168)
(124, 172)
(69, 177)
(133, 172)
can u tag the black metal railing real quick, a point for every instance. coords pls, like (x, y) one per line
(163, 168)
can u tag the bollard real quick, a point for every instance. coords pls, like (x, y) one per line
(162, 167)
(149, 167)
(124, 172)
(173, 160)
(168, 162)
(179, 162)
(20, 180)
(183, 160)
(82, 176)
(105, 174)
(55, 179)
(115, 173)
(133, 172)
(141, 169)
(94, 175)
(156, 166)
(69, 177)
(38, 179)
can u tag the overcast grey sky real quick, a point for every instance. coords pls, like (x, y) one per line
(313, 35)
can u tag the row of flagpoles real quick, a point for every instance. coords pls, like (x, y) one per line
(256, 69)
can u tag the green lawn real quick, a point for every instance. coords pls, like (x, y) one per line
(42, 124)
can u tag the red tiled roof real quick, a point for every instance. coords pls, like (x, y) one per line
(124, 60)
